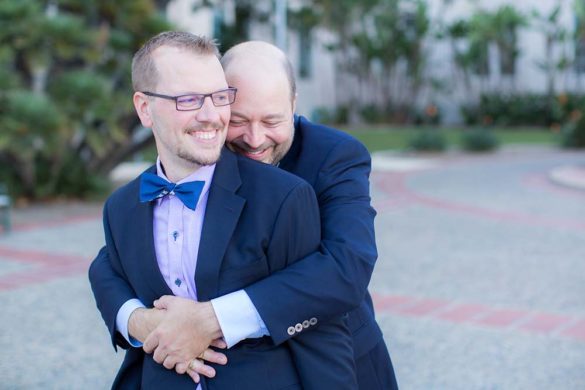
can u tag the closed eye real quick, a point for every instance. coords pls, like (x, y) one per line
(272, 124)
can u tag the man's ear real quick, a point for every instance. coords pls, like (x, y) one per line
(142, 106)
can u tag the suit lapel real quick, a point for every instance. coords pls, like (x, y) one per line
(222, 213)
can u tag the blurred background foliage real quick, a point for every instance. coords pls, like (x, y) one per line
(66, 116)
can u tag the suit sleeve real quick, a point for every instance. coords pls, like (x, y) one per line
(109, 284)
(322, 352)
(332, 280)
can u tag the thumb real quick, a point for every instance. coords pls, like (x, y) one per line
(163, 302)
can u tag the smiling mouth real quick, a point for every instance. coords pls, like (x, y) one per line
(255, 152)
(204, 135)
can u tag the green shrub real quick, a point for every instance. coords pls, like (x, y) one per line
(428, 140)
(66, 114)
(521, 109)
(573, 132)
(331, 116)
(372, 114)
(429, 115)
(479, 140)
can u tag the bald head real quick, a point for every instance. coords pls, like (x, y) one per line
(262, 117)
(257, 59)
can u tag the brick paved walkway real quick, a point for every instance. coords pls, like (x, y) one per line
(480, 282)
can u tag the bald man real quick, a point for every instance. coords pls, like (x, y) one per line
(263, 127)
(325, 284)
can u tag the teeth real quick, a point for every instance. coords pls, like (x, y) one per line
(205, 134)
(255, 152)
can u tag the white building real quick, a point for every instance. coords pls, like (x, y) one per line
(316, 69)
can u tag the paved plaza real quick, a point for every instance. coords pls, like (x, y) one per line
(480, 282)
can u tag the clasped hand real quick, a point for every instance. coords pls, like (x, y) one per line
(178, 332)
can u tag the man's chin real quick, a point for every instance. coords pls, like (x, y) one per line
(202, 160)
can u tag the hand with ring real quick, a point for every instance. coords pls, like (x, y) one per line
(197, 366)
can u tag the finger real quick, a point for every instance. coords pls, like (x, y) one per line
(181, 367)
(215, 357)
(199, 367)
(159, 355)
(162, 302)
(169, 362)
(194, 375)
(150, 343)
(219, 343)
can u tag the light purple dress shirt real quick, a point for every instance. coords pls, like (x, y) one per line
(177, 260)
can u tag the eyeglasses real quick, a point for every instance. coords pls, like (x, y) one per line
(194, 101)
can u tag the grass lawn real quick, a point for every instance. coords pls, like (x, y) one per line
(397, 138)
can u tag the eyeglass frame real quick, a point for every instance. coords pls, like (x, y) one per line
(202, 95)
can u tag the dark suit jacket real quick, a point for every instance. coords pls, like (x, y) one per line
(337, 166)
(258, 220)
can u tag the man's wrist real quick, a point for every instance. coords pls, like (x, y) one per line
(136, 324)
(142, 321)
(209, 321)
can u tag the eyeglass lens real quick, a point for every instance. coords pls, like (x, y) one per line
(219, 98)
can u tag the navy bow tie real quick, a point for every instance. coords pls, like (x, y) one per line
(153, 187)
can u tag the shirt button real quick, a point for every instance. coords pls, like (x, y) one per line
(313, 321)
(175, 235)
(291, 330)
(306, 324)
(298, 327)
(178, 282)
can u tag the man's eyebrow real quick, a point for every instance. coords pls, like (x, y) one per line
(239, 115)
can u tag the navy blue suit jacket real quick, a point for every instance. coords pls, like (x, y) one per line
(333, 280)
(250, 231)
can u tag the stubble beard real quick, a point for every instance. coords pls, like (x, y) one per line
(200, 160)
(206, 156)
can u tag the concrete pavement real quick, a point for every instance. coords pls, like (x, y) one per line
(480, 282)
(481, 278)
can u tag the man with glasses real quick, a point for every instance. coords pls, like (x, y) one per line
(203, 223)
(334, 279)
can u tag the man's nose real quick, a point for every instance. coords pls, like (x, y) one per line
(208, 112)
(254, 137)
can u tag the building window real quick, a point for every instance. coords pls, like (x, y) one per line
(305, 54)
(508, 51)
(579, 63)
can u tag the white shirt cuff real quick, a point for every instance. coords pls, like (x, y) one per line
(123, 317)
(238, 318)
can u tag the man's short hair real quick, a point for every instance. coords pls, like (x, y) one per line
(144, 72)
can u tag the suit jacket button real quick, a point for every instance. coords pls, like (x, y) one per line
(313, 321)
(291, 330)
(306, 324)
(298, 327)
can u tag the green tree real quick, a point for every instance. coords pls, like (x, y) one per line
(555, 34)
(236, 29)
(342, 17)
(505, 24)
(470, 41)
(66, 113)
(378, 45)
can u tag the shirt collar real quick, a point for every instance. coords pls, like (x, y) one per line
(204, 173)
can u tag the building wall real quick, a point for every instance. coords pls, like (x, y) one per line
(319, 90)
